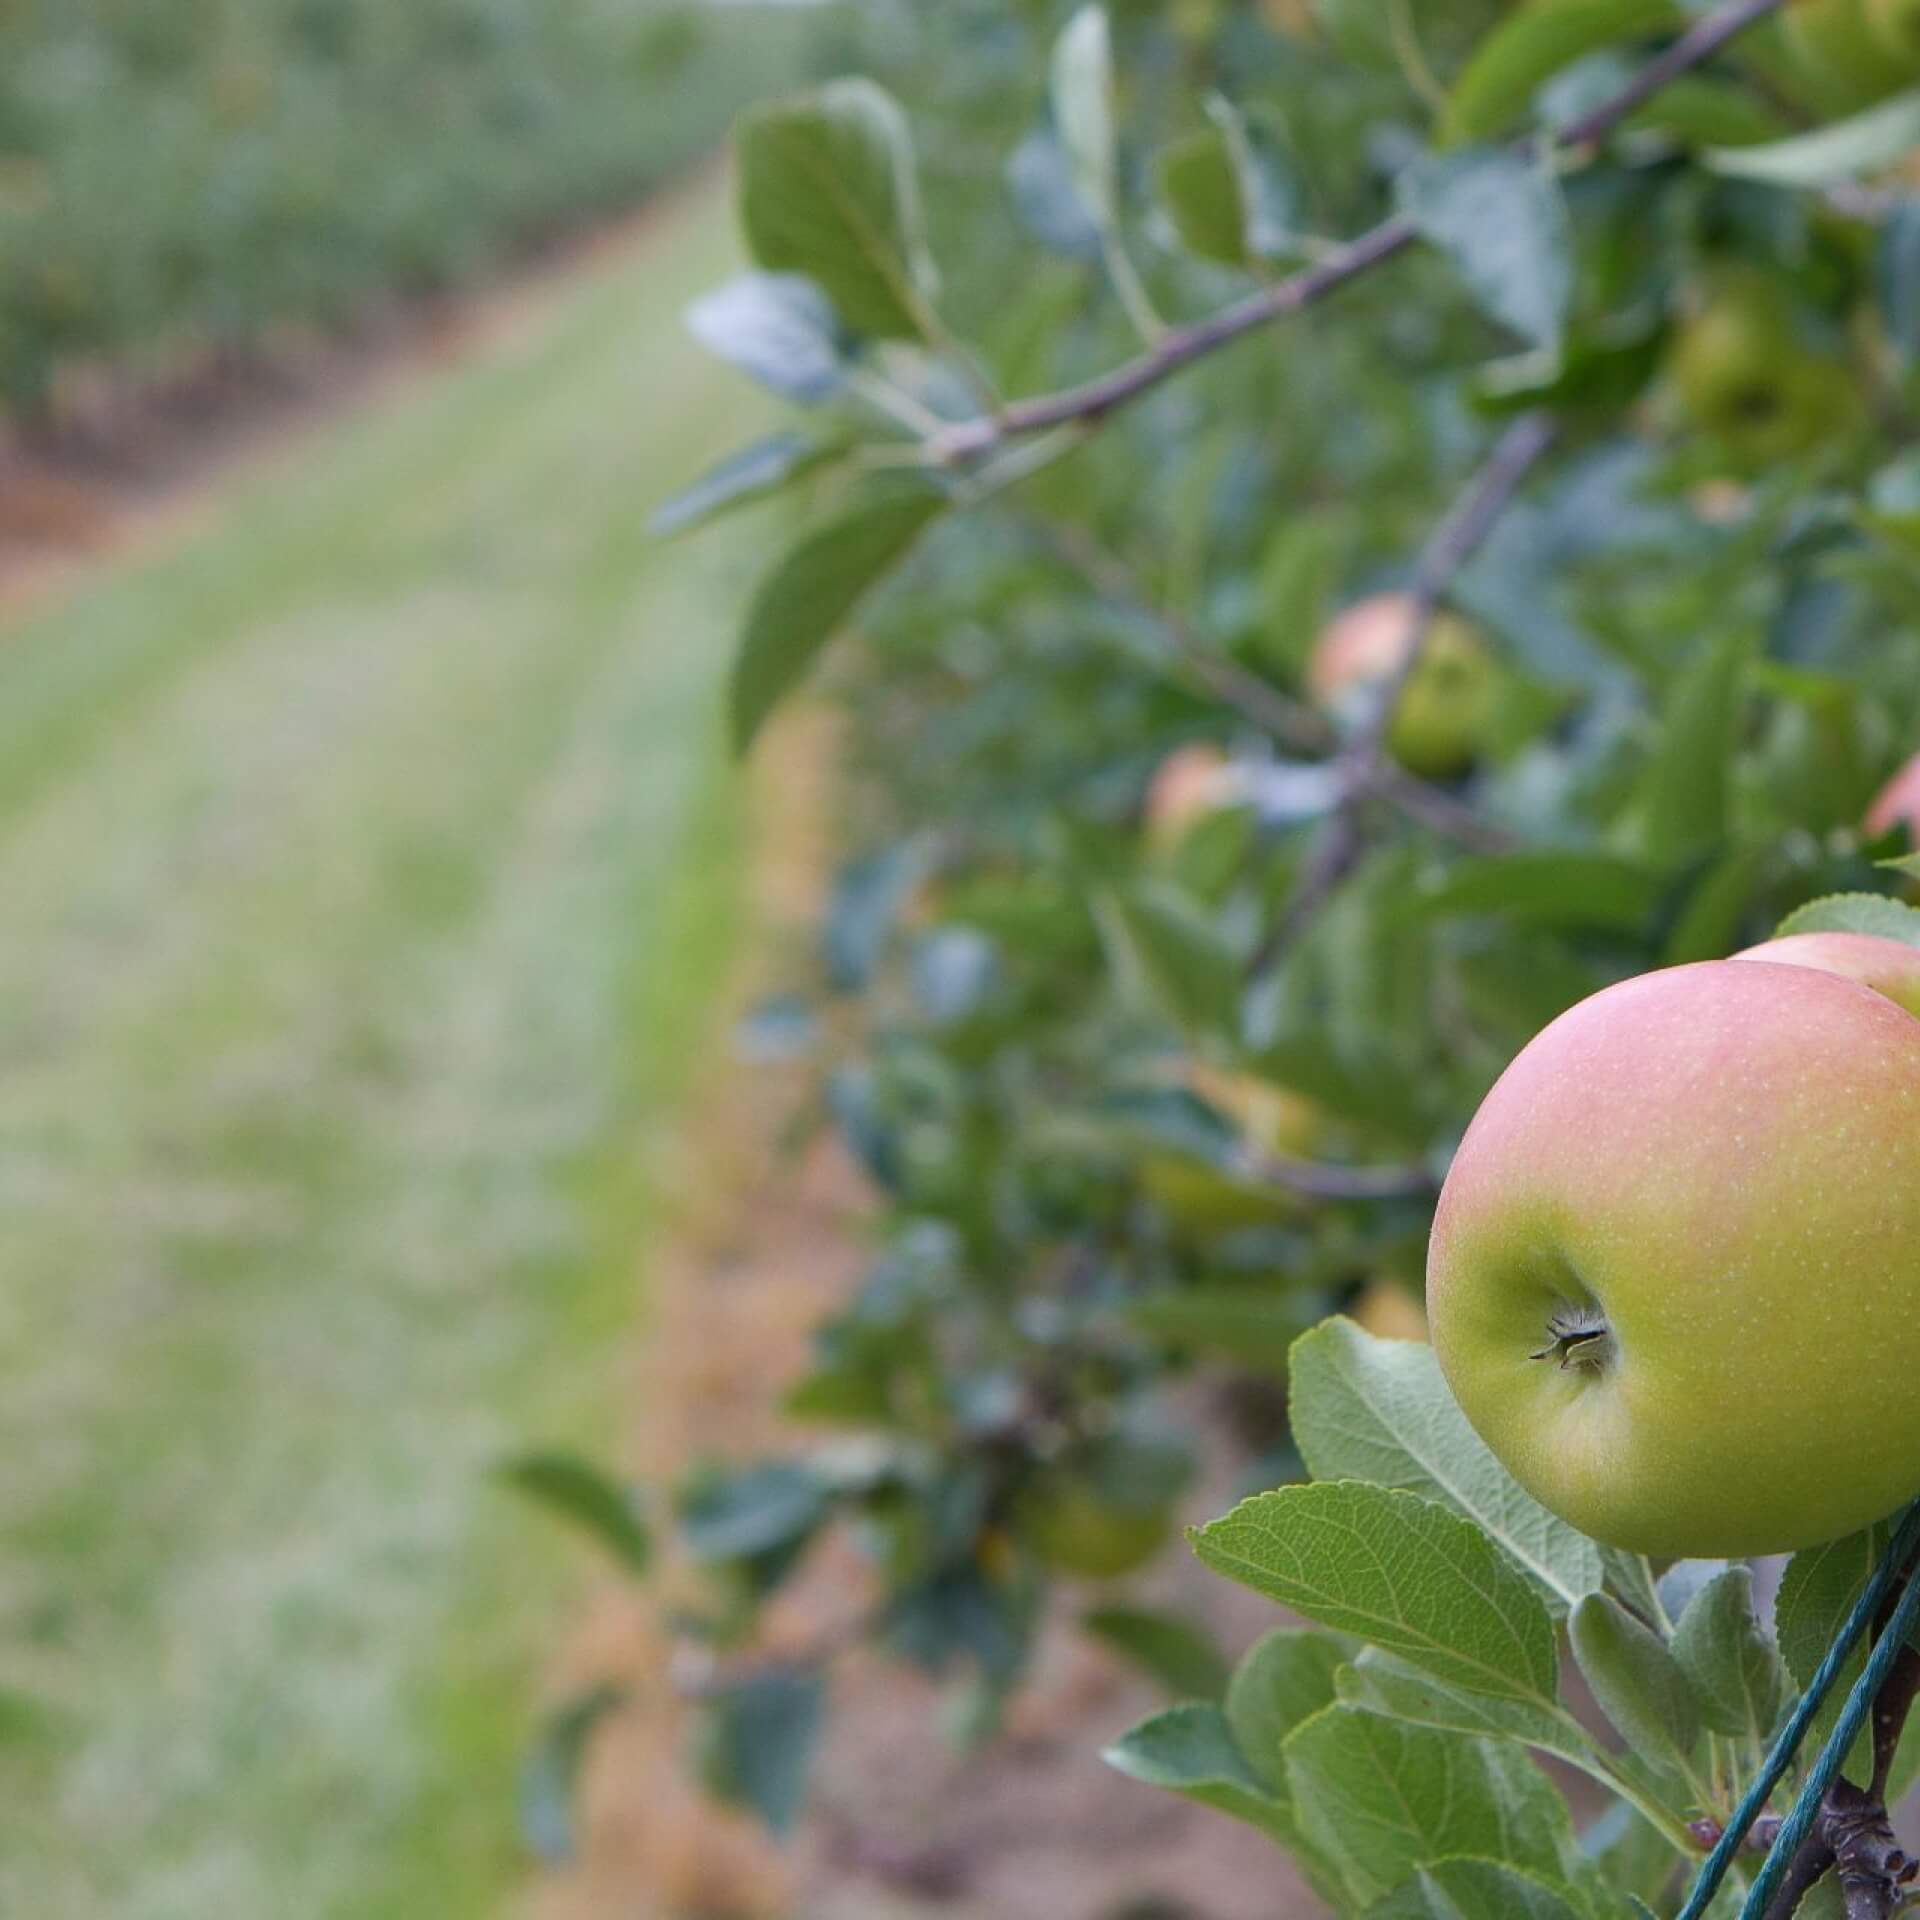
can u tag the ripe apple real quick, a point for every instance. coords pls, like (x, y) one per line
(1445, 715)
(1744, 379)
(1890, 967)
(1897, 804)
(1674, 1278)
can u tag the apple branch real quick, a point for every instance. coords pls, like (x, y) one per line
(1180, 347)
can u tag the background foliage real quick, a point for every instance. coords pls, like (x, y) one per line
(179, 177)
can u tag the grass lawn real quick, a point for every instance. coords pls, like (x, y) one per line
(367, 863)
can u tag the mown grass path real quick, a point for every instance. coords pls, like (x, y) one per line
(367, 863)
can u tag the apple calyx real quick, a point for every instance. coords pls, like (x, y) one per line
(1577, 1337)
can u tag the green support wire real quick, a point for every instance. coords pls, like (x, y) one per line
(1813, 1790)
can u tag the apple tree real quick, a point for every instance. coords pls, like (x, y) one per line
(1343, 532)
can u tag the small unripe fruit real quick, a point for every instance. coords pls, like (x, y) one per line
(1744, 379)
(1445, 716)
(1890, 967)
(1674, 1277)
(1071, 1530)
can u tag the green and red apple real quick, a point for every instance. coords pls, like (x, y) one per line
(1890, 967)
(1674, 1277)
(1445, 717)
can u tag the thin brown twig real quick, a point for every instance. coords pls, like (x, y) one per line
(1180, 347)
(1286, 720)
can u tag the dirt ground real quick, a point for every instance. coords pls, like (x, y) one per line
(902, 1826)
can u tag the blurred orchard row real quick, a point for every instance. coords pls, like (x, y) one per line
(183, 176)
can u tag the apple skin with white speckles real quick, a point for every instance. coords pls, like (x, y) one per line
(1887, 966)
(1704, 1184)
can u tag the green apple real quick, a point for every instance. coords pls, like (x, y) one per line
(1201, 1198)
(1844, 59)
(1674, 1277)
(1744, 379)
(1069, 1528)
(1890, 967)
(1106, 1506)
(1897, 804)
(1896, 25)
(1445, 717)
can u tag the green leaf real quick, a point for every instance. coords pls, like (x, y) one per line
(827, 189)
(1225, 189)
(1082, 91)
(1871, 913)
(1499, 217)
(1681, 805)
(1717, 907)
(1255, 1324)
(1897, 276)
(1630, 1578)
(583, 1494)
(776, 328)
(1549, 887)
(1166, 944)
(551, 1771)
(1735, 1671)
(1907, 863)
(1639, 1685)
(1475, 1889)
(1830, 155)
(1195, 181)
(801, 603)
(1529, 47)
(1380, 1683)
(1269, 197)
(750, 473)
(1397, 1570)
(1816, 1593)
(1284, 1679)
(757, 1742)
(1181, 1656)
(1378, 1800)
(1190, 1751)
(1700, 111)
(1378, 1410)
(741, 1514)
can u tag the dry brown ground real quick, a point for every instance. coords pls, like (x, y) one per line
(902, 1826)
